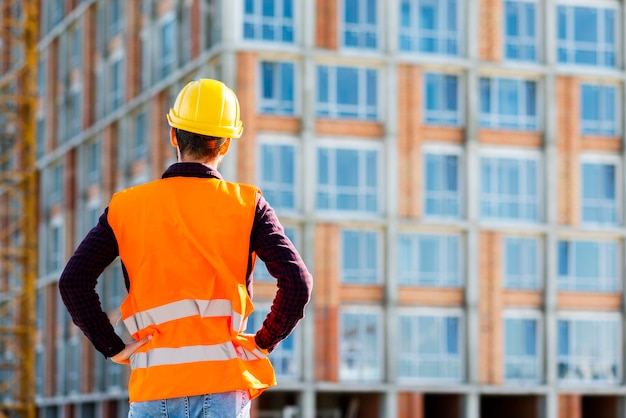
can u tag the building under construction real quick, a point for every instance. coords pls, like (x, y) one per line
(444, 168)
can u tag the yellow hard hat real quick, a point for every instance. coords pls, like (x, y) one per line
(207, 107)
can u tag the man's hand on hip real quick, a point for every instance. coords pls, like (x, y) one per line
(123, 356)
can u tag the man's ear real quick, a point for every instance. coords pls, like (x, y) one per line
(224, 147)
(173, 139)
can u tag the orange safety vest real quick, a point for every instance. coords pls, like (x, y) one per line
(185, 243)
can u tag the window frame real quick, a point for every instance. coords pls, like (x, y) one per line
(441, 313)
(378, 269)
(276, 103)
(524, 42)
(415, 34)
(602, 122)
(570, 48)
(522, 121)
(539, 267)
(519, 154)
(361, 147)
(282, 140)
(603, 159)
(602, 283)
(448, 119)
(278, 23)
(539, 337)
(595, 316)
(359, 26)
(414, 280)
(444, 150)
(166, 64)
(362, 110)
(360, 312)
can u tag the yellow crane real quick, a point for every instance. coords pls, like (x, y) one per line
(18, 205)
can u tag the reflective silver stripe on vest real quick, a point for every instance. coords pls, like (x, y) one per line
(192, 354)
(183, 309)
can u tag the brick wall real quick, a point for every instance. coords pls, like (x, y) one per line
(246, 93)
(490, 309)
(490, 30)
(568, 92)
(326, 29)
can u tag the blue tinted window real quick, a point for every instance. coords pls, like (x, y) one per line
(520, 349)
(504, 190)
(520, 41)
(588, 266)
(521, 269)
(347, 92)
(359, 257)
(429, 260)
(278, 175)
(347, 180)
(598, 109)
(360, 24)
(277, 88)
(441, 194)
(268, 20)
(586, 36)
(429, 26)
(599, 190)
(508, 103)
(441, 99)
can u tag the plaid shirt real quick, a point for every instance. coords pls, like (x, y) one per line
(99, 249)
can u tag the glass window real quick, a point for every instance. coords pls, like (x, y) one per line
(94, 162)
(429, 346)
(360, 257)
(508, 103)
(347, 92)
(115, 13)
(429, 260)
(56, 185)
(360, 24)
(360, 348)
(347, 180)
(430, 26)
(599, 194)
(586, 35)
(268, 20)
(589, 350)
(442, 197)
(521, 263)
(285, 358)
(598, 109)
(74, 112)
(521, 349)
(278, 175)
(140, 149)
(212, 23)
(168, 52)
(277, 88)
(588, 266)
(441, 93)
(77, 44)
(117, 83)
(260, 269)
(509, 188)
(520, 30)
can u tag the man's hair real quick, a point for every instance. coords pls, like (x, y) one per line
(198, 146)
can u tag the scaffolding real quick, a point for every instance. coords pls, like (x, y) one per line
(18, 211)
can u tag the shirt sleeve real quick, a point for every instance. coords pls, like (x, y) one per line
(283, 262)
(77, 286)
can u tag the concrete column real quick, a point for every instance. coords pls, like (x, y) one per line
(472, 179)
(307, 158)
(551, 169)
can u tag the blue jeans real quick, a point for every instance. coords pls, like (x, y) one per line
(216, 405)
